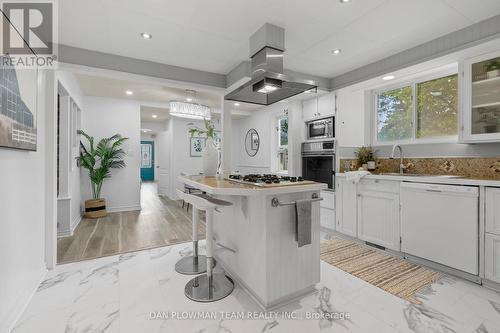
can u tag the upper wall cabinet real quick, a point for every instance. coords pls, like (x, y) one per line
(319, 107)
(481, 99)
(350, 118)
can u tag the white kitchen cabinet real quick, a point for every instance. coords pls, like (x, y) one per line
(346, 207)
(350, 118)
(327, 218)
(481, 100)
(493, 210)
(492, 258)
(378, 218)
(326, 105)
(328, 199)
(309, 109)
(318, 107)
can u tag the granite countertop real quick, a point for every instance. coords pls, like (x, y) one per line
(219, 185)
(434, 179)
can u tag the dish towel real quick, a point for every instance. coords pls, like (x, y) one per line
(356, 175)
(303, 210)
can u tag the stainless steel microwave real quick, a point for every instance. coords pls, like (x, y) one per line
(321, 129)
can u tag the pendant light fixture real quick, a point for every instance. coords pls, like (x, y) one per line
(189, 109)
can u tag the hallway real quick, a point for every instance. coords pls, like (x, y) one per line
(160, 222)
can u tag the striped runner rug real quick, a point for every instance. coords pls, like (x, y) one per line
(394, 275)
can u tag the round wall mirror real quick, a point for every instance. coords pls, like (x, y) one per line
(252, 142)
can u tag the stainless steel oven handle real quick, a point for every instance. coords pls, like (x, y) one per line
(318, 155)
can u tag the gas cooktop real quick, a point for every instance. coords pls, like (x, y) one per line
(267, 180)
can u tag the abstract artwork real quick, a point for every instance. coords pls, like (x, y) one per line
(196, 146)
(18, 98)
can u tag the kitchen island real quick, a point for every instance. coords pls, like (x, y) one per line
(257, 237)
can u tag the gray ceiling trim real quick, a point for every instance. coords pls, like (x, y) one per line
(244, 70)
(472, 35)
(78, 56)
(323, 83)
(238, 72)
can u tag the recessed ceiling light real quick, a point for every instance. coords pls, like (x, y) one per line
(236, 104)
(146, 35)
(336, 51)
(388, 77)
(189, 99)
(129, 92)
(344, 1)
(155, 116)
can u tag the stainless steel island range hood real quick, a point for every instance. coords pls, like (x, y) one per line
(268, 84)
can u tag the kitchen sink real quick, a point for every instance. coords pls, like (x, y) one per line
(417, 175)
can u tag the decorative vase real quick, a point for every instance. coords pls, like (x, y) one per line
(371, 165)
(209, 158)
(493, 73)
(95, 208)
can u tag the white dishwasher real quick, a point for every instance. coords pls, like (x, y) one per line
(440, 223)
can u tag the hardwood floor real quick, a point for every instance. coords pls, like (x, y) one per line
(160, 222)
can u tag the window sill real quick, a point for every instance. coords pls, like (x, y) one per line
(437, 140)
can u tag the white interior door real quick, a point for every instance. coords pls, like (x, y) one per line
(163, 165)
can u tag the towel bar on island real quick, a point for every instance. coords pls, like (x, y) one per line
(275, 201)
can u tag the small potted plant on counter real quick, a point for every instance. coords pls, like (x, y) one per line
(366, 158)
(492, 68)
(99, 160)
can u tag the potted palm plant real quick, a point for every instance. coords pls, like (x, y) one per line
(99, 160)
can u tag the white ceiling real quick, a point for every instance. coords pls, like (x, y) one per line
(155, 97)
(213, 35)
(147, 113)
(149, 92)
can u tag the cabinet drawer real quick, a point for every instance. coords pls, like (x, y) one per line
(328, 199)
(327, 218)
(492, 258)
(493, 210)
(377, 185)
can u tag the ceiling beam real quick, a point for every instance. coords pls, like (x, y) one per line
(78, 56)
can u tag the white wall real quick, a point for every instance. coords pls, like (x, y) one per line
(264, 122)
(104, 117)
(180, 161)
(22, 221)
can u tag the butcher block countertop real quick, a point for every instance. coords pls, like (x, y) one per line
(220, 186)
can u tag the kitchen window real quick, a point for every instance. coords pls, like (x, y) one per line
(418, 111)
(282, 144)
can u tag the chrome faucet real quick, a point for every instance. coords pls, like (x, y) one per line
(402, 167)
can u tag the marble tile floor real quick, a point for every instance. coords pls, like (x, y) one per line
(135, 292)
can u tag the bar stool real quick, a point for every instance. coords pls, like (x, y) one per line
(211, 286)
(195, 264)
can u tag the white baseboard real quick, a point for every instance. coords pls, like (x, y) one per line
(68, 233)
(64, 233)
(118, 209)
(22, 302)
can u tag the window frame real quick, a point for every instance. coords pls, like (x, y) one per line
(413, 84)
(279, 147)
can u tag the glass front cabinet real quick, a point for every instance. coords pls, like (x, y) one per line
(481, 99)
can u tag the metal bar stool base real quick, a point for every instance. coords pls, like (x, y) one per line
(187, 266)
(198, 291)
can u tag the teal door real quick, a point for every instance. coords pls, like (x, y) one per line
(147, 161)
